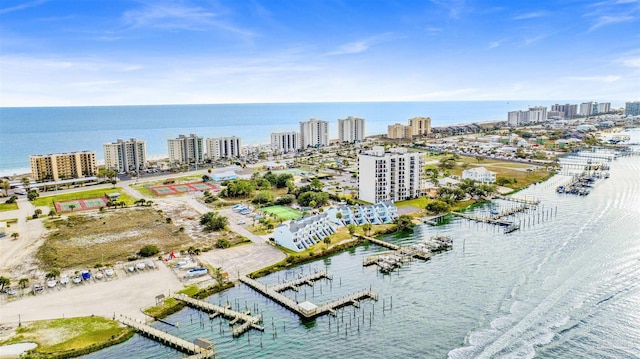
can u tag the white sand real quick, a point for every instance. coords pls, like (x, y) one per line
(14, 350)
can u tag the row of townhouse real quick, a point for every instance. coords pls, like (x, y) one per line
(305, 232)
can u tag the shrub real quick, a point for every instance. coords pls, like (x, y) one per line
(148, 250)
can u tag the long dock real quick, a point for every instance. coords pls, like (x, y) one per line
(248, 321)
(195, 351)
(307, 310)
(533, 202)
(308, 280)
(490, 220)
(401, 250)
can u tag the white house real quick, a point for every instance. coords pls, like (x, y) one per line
(479, 174)
(305, 232)
(381, 212)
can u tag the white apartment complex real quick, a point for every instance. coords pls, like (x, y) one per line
(314, 133)
(186, 149)
(223, 147)
(395, 175)
(61, 166)
(285, 142)
(125, 156)
(351, 129)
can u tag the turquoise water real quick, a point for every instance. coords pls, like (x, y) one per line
(41, 130)
(564, 286)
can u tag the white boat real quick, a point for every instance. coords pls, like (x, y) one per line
(52, 283)
(77, 279)
(150, 264)
(196, 272)
(108, 272)
(64, 280)
(140, 266)
(131, 268)
(99, 275)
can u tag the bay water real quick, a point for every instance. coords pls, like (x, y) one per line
(566, 285)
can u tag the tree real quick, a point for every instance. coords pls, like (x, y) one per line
(148, 250)
(33, 194)
(316, 185)
(72, 207)
(479, 159)
(437, 206)
(352, 229)
(367, 228)
(212, 221)
(23, 282)
(4, 282)
(25, 182)
(263, 197)
(53, 274)
(15, 235)
(36, 213)
(404, 222)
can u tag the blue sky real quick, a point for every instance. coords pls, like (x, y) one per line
(116, 52)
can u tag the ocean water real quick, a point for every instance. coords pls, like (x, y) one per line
(42, 130)
(564, 286)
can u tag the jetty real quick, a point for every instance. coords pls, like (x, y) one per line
(532, 202)
(193, 350)
(389, 261)
(306, 280)
(246, 320)
(307, 310)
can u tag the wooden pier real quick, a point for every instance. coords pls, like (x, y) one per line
(195, 351)
(308, 280)
(490, 219)
(248, 321)
(533, 202)
(307, 310)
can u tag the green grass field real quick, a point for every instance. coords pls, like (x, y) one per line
(8, 206)
(48, 201)
(282, 212)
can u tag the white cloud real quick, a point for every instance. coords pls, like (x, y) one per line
(23, 6)
(609, 20)
(529, 15)
(605, 79)
(494, 44)
(455, 7)
(359, 46)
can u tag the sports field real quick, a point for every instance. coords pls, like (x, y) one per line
(81, 204)
(282, 212)
(182, 188)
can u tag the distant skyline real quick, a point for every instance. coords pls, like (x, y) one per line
(84, 53)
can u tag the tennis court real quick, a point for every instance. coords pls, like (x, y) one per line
(80, 204)
(182, 188)
(282, 212)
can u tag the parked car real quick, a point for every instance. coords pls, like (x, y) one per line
(241, 222)
(37, 288)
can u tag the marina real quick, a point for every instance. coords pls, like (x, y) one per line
(306, 309)
(245, 320)
(192, 349)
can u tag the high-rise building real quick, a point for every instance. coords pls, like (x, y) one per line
(395, 175)
(420, 126)
(398, 130)
(285, 142)
(570, 110)
(604, 107)
(223, 147)
(632, 108)
(351, 129)
(537, 114)
(517, 118)
(586, 109)
(314, 133)
(125, 156)
(186, 149)
(60, 166)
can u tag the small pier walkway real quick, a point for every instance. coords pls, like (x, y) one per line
(308, 280)
(248, 321)
(403, 251)
(307, 310)
(195, 351)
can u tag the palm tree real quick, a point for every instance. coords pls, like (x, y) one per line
(23, 282)
(367, 228)
(352, 229)
(15, 235)
(72, 207)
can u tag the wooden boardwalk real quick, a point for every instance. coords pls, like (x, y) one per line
(307, 313)
(248, 321)
(401, 250)
(195, 351)
(308, 280)
(533, 202)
